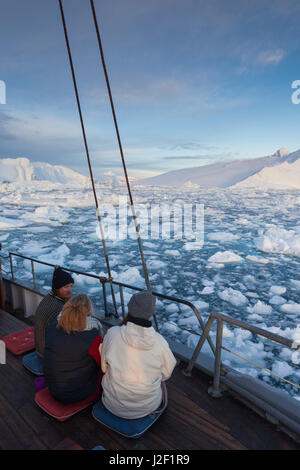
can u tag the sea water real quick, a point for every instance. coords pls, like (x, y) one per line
(248, 266)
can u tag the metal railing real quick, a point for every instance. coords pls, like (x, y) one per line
(103, 280)
(221, 318)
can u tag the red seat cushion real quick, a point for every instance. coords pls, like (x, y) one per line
(20, 341)
(58, 410)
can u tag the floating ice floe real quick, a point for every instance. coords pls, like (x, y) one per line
(207, 290)
(50, 215)
(282, 368)
(279, 240)
(156, 264)
(222, 236)
(189, 322)
(242, 221)
(189, 246)
(225, 257)
(41, 229)
(4, 237)
(82, 280)
(131, 276)
(83, 263)
(238, 340)
(149, 245)
(172, 253)
(257, 259)
(250, 281)
(233, 296)
(172, 308)
(251, 294)
(255, 317)
(296, 337)
(277, 300)
(260, 308)
(290, 308)
(56, 257)
(35, 248)
(11, 224)
(207, 282)
(277, 290)
(200, 305)
(170, 328)
(295, 284)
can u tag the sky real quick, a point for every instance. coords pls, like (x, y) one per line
(194, 82)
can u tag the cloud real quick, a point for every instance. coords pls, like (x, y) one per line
(186, 157)
(40, 137)
(192, 146)
(271, 57)
(216, 157)
(251, 56)
(37, 126)
(140, 92)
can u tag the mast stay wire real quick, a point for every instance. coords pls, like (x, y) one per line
(88, 157)
(121, 152)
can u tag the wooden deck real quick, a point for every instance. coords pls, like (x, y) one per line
(192, 421)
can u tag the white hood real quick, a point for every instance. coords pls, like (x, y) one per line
(137, 336)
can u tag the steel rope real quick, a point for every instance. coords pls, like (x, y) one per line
(88, 156)
(121, 152)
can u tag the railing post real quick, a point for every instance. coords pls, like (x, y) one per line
(122, 301)
(104, 298)
(11, 267)
(33, 273)
(2, 299)
(214, 391)
(204, 335)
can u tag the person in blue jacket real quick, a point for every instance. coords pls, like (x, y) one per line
(72, 363)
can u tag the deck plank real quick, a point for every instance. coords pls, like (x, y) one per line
(68, 444)
(193, 419)
(13, 422)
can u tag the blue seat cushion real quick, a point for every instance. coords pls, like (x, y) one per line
(133, 428)
(33, 363)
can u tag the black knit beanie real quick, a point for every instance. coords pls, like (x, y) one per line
(61, 278)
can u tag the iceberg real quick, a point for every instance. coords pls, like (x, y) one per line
(22, 171)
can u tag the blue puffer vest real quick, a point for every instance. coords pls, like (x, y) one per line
(70, 372)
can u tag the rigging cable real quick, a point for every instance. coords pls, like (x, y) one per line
(121, 153)
(88, 157)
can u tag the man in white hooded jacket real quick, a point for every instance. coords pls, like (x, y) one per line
(135, 359)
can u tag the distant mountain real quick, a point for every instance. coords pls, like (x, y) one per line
(282, 169)
(21, 170)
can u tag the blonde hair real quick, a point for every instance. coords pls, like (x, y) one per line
(74, 313)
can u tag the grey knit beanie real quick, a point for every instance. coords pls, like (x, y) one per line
(142, 305)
